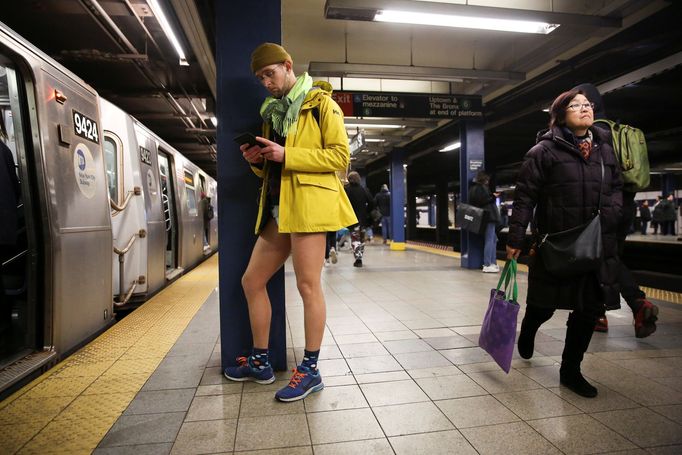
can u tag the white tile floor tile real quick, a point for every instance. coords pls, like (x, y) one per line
(403, 374)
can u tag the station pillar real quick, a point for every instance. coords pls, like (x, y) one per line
(239, 98)
(433, 202)
(442, 212)
(471, 160)
(398, 199)
(667, 184)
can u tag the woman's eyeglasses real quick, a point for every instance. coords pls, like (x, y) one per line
(577, 107)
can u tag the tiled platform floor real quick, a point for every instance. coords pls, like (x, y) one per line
(404, 374)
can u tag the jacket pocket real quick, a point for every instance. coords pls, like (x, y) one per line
(327, 181)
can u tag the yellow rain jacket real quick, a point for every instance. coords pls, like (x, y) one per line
(312, 198)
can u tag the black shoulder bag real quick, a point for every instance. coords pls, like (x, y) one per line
(577, 250)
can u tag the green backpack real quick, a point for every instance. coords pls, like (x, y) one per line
(630, 147)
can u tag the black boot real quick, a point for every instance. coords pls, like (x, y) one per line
(532, 321)
(578, 338)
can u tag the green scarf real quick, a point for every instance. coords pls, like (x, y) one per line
(282, 113)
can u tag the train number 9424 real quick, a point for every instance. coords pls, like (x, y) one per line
(85, 127)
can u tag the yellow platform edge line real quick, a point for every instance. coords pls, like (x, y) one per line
(81, 397)
(658, 294)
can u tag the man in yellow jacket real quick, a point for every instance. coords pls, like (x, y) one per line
(304, 142)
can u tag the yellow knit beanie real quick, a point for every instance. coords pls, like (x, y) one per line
(267, 54)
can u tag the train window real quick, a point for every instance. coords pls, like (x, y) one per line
(191, 192)
(111, 166)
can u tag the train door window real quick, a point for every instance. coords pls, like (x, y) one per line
(191, 194)
(111, 162)
(18, 248)
(202, 185)
(168, 201)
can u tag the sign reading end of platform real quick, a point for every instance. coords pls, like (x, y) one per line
(401, 105)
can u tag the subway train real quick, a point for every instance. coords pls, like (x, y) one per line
(106, 214)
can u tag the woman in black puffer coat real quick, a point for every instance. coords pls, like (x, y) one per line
(560, 179)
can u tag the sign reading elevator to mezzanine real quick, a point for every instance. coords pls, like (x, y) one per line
(402, 105)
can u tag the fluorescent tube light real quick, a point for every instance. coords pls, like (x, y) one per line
(449, 20)
(448, 148)
(372, 125)
(214, 120)
(375, 140)
(165, 26)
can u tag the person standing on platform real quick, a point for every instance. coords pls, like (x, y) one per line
(480, 196)
(383, 203)
(644, 216)
(10, 190)
(669, 215)
(303, 144)
(362, 203)
(561, 186)
(657, 216)
(644, 312)
(207, 213)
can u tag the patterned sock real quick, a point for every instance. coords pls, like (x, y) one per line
(310, 359)
(259, 359)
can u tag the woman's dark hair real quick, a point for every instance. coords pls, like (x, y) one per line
(557, 112)
(482, 178)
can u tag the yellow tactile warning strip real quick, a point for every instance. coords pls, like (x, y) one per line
(71, 407)
(451, 254)
(658, 294)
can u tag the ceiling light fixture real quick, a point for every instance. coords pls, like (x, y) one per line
(451, 14)
(170, 34)
(453, 146)
(375, 140)
(459, 21)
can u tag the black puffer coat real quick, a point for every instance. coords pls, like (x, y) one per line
(563, 188)
(480, 196)
(362, 202)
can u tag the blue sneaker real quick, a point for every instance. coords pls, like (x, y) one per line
(248, 371)
(302, 383)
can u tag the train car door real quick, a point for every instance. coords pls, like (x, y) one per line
(167, 183)
(19, 255)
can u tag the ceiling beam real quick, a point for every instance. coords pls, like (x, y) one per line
(642, 73)
(193, 27)
(408, 72)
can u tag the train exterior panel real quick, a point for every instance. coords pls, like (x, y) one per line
(128, 213)
(78, 159)
(76, 226)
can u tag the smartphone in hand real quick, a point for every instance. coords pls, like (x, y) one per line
(247, 138)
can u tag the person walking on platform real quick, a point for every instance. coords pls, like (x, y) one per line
(362, 203)
(564, 180)
(480, 196)
(330, 254)
(303, 143)
(383, 203)
(644, 216)
(668, 215)
(644, 312)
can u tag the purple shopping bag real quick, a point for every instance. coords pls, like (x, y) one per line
(498, 331)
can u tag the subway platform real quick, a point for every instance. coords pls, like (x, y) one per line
(401, 366)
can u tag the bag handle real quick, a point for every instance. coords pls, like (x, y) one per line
(508, 276)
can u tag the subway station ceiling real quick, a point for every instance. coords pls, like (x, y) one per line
(629, 48)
